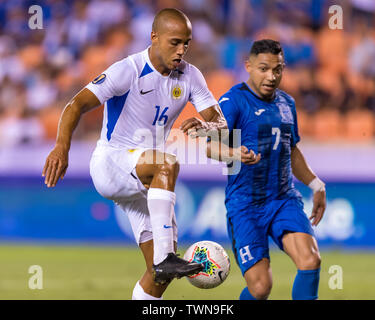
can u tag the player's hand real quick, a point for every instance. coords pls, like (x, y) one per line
(248, 157)
(194, 127)
(55, 166)
(319, 206)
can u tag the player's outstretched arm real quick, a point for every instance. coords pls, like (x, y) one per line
(57, 161)
(222, 152)
(303, 172)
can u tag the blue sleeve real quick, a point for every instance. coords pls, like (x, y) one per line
(295, 136)
(230, 110)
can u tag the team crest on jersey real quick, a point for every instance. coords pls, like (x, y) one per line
(176, 92)
(99, 79)
(285, 112)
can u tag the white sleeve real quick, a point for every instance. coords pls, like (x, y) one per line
(200, 96)
(115, 81)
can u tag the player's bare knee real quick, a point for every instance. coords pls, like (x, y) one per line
(172, 162)
(170, 167)
(315, 261)
(261, 289)
(310, 262)
(260, 285)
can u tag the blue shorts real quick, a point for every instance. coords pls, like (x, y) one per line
(249, 228)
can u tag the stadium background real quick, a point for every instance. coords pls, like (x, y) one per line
(83, 242)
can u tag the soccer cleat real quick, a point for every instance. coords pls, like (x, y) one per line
(174, 267)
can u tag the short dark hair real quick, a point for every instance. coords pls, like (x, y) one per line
(166, 13)
(266, 46)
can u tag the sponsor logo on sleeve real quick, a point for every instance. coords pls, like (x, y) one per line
(223, 99)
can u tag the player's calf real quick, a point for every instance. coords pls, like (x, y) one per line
(147, 282)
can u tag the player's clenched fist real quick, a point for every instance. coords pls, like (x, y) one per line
(246, 156)
(55, 166)
(194, 127)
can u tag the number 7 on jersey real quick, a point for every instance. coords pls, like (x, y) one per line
(276, 131)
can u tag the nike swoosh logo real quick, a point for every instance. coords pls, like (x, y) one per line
(259, 112)
(144, 92)
(223, 99)
(220, 272)
(167, 227)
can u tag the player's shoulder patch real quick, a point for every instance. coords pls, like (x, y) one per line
(99, 79)
(286, 97)
(285, 109)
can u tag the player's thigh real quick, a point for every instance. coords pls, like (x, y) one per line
(249, 240)
(302, 249)
(290, 218)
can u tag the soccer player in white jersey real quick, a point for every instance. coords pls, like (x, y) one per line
(143, 93)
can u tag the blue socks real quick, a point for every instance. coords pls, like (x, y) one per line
(306, 285)
(246, 295)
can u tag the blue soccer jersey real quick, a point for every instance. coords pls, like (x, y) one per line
(269, 128)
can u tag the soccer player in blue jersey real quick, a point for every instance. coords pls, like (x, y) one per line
(261, 199)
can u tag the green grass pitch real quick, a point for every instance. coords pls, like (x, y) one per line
(88, 272)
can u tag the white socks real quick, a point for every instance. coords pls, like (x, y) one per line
(140, 294)
(160, 205)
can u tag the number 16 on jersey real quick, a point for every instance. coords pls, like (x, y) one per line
(162, 118)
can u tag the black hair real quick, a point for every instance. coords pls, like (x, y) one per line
(163, 14)
(266, 46)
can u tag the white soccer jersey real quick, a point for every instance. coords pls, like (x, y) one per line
(139, 101)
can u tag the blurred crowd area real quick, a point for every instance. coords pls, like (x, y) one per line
(330, 73)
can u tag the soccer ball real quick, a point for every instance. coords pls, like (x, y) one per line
(216, 264)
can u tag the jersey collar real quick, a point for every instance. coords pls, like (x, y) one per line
(148, 61)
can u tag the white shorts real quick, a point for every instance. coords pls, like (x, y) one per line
(139, 217)
(113, 173)
(114, 176)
